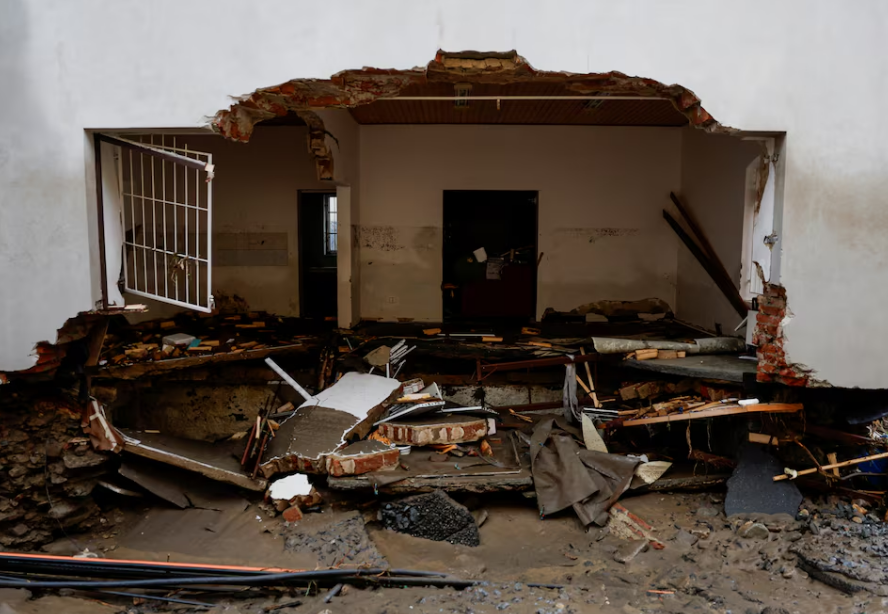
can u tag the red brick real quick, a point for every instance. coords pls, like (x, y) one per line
(767, 368)
(772, 311)
(763, 377)
(766, 321)
(292, 514)
(775, 290)
(760, 338)
(771, 301)
(771, 350)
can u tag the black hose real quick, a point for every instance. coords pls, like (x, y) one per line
(158, 598)
(308, 576)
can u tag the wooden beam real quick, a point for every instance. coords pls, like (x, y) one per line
(715, 412)
(698, 231)
(725, 285)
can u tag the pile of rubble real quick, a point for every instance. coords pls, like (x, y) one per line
(50, 469)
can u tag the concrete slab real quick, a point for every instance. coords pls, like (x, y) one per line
(322, 425)
(724, 367)
(215, 461)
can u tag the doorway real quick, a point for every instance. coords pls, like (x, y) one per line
(318, 249)
(490, 254)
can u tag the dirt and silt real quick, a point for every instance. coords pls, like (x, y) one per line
(710, 563)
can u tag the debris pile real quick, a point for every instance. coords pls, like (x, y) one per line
(50, 470)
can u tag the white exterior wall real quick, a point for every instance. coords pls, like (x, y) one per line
(758, 65)
(601, 192)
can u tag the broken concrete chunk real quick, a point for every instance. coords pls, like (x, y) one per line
(362, 457)
(379, 357)
(289, 487)
(321, 425)
(432, 516)
(628, 551)
(179, 339)
(293, 491)
(753, 530)
(436, 430)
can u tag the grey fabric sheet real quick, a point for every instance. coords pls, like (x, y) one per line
(566, 474)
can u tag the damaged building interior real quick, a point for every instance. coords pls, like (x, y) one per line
(444, 318)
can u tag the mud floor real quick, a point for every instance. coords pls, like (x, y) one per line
(709, 563)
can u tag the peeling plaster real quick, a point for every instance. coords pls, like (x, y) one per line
(352, 88)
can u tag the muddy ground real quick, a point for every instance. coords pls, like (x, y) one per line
(709, 563)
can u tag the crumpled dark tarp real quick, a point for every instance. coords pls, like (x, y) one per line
(568, 475)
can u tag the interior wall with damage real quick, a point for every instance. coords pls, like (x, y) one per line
(601, 191)
(713, 189)
(255, 221)
(834, 214)
(344, 141)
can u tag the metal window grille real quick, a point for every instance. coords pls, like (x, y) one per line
(331, 229)
(167, 221)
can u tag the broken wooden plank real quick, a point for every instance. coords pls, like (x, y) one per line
(727, 287)
(833, 459)
(141, 369)
(716, 412)
(670, 354)
(214, 461)
(763, 439)
(592, 393)
(646, 354)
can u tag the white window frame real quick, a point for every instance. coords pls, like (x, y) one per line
(328, 198)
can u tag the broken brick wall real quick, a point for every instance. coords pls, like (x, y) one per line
(769, 339)
(48, 471)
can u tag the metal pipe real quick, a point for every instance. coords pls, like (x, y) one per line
(452, 98)
(293, 383)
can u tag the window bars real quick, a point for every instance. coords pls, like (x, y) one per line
(166, 196)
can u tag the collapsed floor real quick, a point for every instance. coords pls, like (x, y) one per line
(584, 438)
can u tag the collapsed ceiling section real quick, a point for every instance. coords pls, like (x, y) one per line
(491, 74)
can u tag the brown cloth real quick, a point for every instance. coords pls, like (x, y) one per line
(568, 475)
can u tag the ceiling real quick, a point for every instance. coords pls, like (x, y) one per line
(550, 111)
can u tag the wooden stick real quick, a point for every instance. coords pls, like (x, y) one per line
(591, 381)
(847, 463)
(249, 443)
(726, 286)
(704, 241)
(583, 384)
(729, 410)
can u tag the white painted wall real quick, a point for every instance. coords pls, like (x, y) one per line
(601, 192)
(713, 188)
(758, 65)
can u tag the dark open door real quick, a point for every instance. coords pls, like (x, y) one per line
(318, 247)
(504, 224)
